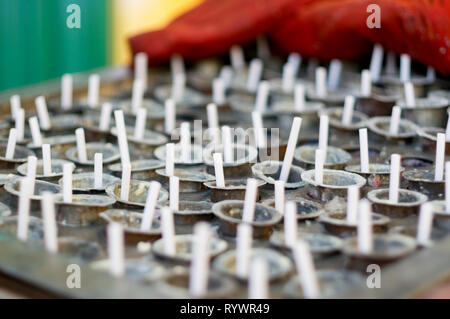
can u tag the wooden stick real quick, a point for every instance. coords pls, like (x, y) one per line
(199, 270)
(258, 279)
(49, 221)
(174, 189)
(150, 205)
(116, 249)
(243, 249)
(250, 200)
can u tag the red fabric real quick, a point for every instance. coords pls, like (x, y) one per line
(324, 29)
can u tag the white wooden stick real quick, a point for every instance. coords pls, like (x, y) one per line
(431, 74)
(244, 238)
(288, 77)
(122, 137)
(296, 60)
(31, 171)
(405, 68)
(425, 223)
(352, 204)
(447, 131)
(365, 232)
(168, 231)
(290, 149)
(141, 66)
(66, 91)
(15, 105)
(141, 119)
(218, 91)
(366, 83)
(174, 189)
(49, 221)
(116, 249)
(20, 124)
(35, 131)
(347, 113)
(262, 96)
(279, 196)
(226, 144)
(394, 178)
(47, 159)
(137, 95)
(440, 157)
(185, 142)
(93, 90)
(290, 224)
(447, 187)
(254, 74)
(410, 98)
(334, 74)
(218, 169)
(170, 159)
(67, 182)
(260, 137)
(226, 74)
(150, 204)
(23, 209)
(364, 151)
(258, 279)
(323, 132)
(177, 64)
(11, 147)
(321, 84)
(42, 113)
(81, 144)
(237, 57)
(125, 185)
(376, 62)
(262, 47)
(178, 87)
(251, 190)
(318, 169)
(299, 97)
(213, 118)
(395, 120)
(169, 116)
(199, 270)
(105, 117)
(98, 170)
(306, 271)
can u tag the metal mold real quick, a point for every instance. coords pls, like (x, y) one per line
(386, 249)
(358, 121)
(229, 213)
(57, 170)
(379, 130)
(13, 188)
(80, 248)
(306, 209)
(320, 244)
(145, 146)
(428, 139)
(190, 180)
(131, 221)
(244, 156)
(422, 181)
(441, 215)
(183, 248)
(137, 195)
(336, 158)
(196, 157)
(279, 266)
(20, 156)
(85, 182)
(428, 111)
(59, 145)
(335, 183)
(84, 210)
(408, 202)
(109, 151)
(8, 225)
(337, 224)
(378, 175)
(140, 169)
(191, 212)
(234, 189)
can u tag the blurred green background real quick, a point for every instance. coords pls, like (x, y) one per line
(36, 44)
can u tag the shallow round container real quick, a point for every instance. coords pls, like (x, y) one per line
(110, 153)
(336, 158)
